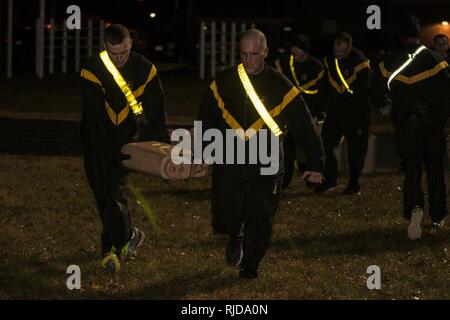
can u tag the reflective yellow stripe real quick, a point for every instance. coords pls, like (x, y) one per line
(404, 65)
(330, 78)
(423, 75)
(291, 64)
(111, 114)
(383, 70)
(314, 81)
(123, 114)
(305, 87)
(341, 76)
(278, 65)
(229, 119)
(342, 88)
(134, 105)
(358, 68)
(308, 91)
(259, 106)
(117, 119)
(417, 77)
(335, 85)
(139, 91)
(89, 76)
(288, 97)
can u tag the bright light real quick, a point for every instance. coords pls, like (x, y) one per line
(445, 23)
(152, 15)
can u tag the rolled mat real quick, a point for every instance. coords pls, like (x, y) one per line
(154, 158)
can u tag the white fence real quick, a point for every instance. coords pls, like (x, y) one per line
(219, 45)
(59, 43)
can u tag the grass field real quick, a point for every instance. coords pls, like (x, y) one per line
(321, 248)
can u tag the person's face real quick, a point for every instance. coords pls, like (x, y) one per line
(298, 53)
(441, 45)
(252, 55)
(119, 53)
(341, 49)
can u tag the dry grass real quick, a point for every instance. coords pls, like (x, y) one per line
(322, 245)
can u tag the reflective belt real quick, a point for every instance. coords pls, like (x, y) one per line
(404, 65)
(340, 76)
(294, 75)
(257, 103)
(291, 64)
(134, 105)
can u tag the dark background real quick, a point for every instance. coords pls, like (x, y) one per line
(176, 25)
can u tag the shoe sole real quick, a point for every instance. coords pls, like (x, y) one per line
(141, 241)
(414, 229)
(238, 263)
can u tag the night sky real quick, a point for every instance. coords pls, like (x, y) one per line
(178, 20)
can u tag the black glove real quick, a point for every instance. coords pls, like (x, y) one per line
(117, 159)
(320, 116)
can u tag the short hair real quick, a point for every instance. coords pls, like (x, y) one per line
(439, 36)
(255, 34)
(116, 33)
(343, 36)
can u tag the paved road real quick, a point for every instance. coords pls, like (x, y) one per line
(62, 138)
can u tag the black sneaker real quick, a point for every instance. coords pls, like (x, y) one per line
(437, 226)
(248, 274)
(352, 189)
(325, 187)
(301, 168)
(136, 240)
(234, 253)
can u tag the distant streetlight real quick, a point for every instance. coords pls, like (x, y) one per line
(152, 15)
(445, 23)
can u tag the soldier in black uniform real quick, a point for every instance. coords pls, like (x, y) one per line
(348, 109)
(417, 80)
(305, 72)
(244, 201)
(440, 44)
(109, 121)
